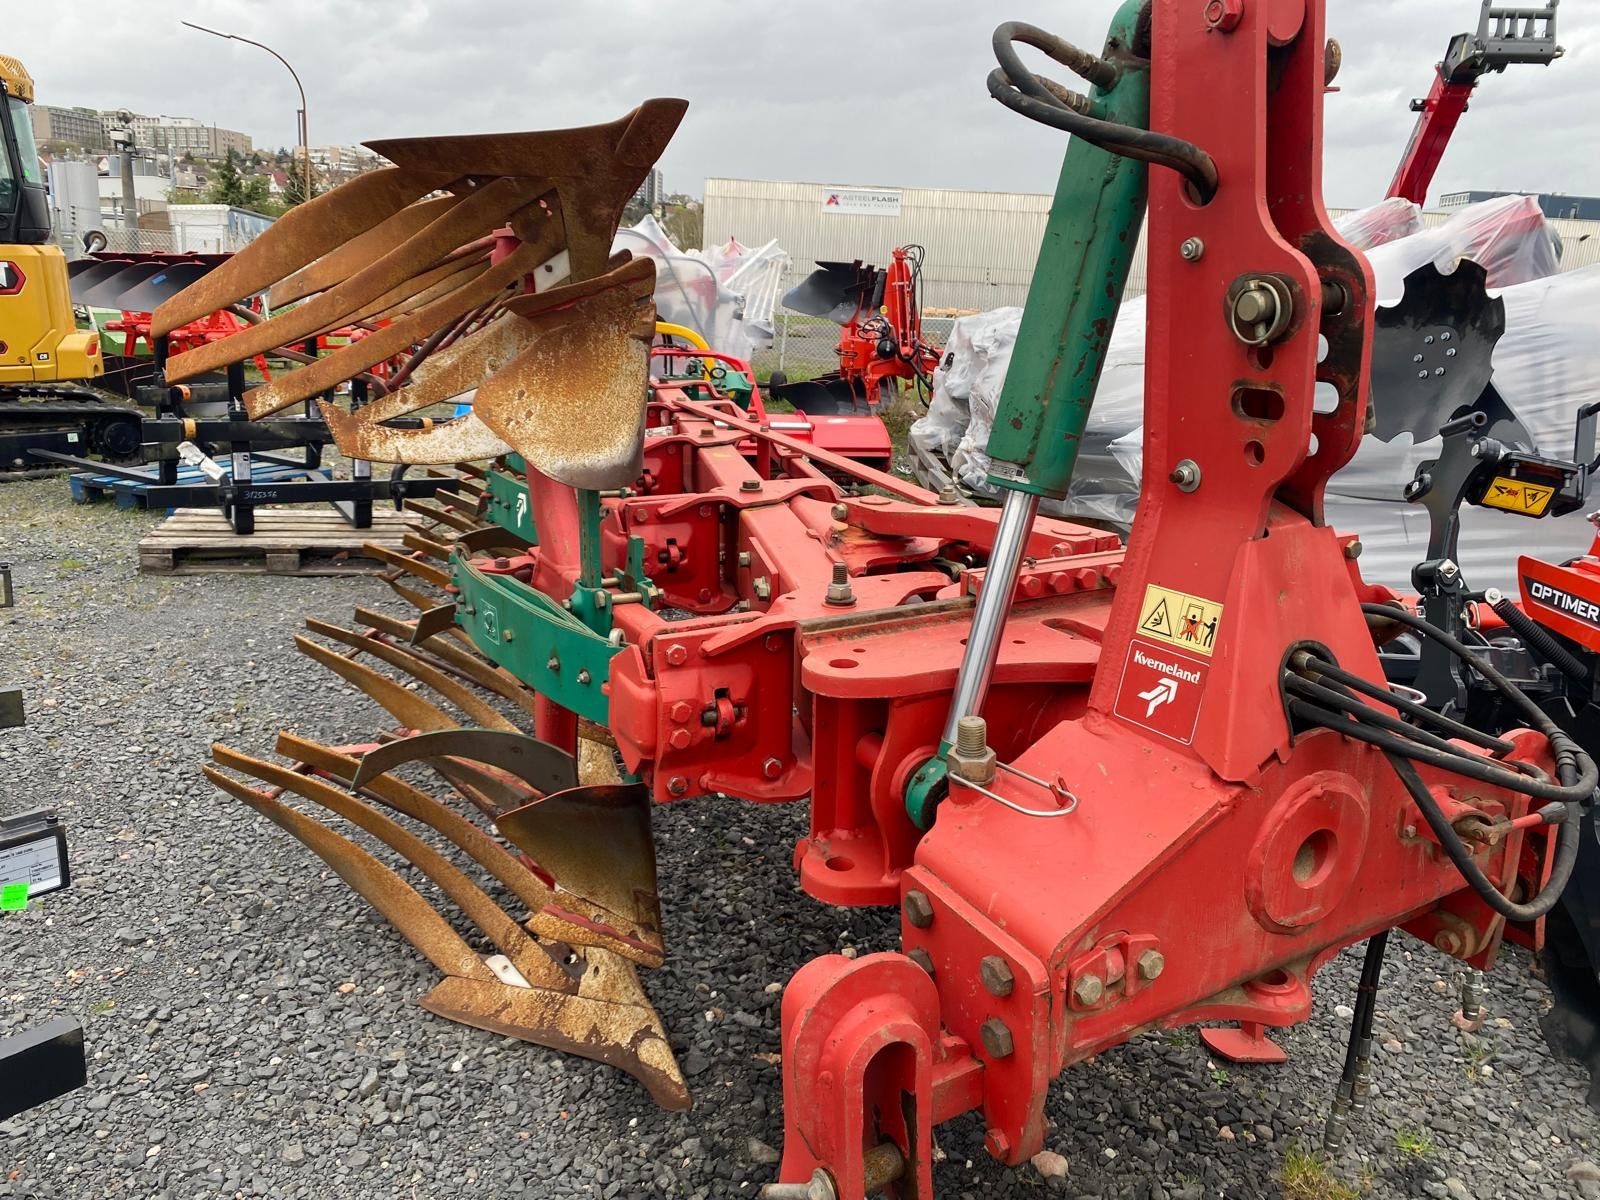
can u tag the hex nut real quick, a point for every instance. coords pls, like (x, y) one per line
(1151, 964)
(918, 909)
(996, 975)
(923, 959)
(996, 1038)
(1089, 990)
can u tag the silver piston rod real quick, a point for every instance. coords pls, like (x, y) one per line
(994, 605)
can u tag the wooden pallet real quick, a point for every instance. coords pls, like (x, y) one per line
(287, 541)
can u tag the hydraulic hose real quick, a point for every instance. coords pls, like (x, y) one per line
(1044, 100)
(1334, 706)
(1566, 836)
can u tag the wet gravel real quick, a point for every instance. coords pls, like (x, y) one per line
(254, 1032)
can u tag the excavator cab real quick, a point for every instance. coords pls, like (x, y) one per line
(39, 339)
(24, 207)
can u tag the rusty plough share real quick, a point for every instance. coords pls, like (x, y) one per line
(452, 274)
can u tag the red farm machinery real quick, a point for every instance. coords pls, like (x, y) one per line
(1108, 787)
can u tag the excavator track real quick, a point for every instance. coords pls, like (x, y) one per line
(65, 418)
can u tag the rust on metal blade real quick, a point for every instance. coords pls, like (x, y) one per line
(535, 964)
(490, 537)
(458, 368)
(435, 620)
(439, 514)
(295, 386)
(573, 403)
(422, 289)
(485, 850)
(422, 672)
(543, 767)
(596, 169)
(404, 705)
(302, 235)
(412, 539)
(627, 1036)
(457, 658)
(341, 262)
(595, 841)
(410, 595)
(424, 571)
(459, 439)
(477, 214)
(380, 887)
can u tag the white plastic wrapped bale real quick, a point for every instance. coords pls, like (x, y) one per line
(1387, 221)
(1534, 368)
(708, 291)
(948, 442)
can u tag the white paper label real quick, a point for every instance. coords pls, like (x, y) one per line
(34, 863)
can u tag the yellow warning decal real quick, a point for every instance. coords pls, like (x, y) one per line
(1179, 619)
(1518, 496)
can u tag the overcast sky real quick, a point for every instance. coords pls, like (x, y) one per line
(889, 92)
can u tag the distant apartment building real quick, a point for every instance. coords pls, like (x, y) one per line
(75, 126)
(185, 135)
(335, 163)
(652, 191)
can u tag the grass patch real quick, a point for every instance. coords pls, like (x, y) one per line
(1220, 1076)
(1413, 1142)
(72, 564)
(1305, 1176)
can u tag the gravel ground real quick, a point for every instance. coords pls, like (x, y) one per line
(253, 1026)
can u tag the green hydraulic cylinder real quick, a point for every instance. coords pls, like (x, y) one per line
(1077, 287)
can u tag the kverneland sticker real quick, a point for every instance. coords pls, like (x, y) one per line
(1161, 690)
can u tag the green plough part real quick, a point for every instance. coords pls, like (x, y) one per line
(535, 639)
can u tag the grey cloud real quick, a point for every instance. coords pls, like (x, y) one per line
(890, 92)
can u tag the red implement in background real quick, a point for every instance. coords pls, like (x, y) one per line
(1506, 35)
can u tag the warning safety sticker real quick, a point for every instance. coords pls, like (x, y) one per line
(1161, 690)
(1179, 619)
(1518, 496)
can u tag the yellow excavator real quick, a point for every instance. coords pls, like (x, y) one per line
(45, 360)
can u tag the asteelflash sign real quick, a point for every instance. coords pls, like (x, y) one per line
(861, 202)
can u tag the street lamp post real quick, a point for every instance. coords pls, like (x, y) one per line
(300, 114)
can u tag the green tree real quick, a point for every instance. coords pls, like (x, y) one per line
(253, 195)
(685, 225)
(226, 186)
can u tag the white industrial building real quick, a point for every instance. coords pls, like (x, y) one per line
(981, 246)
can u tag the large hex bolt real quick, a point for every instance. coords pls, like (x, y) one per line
(923, 959)
(840, 594)
(1089, 991)
(1151, 964)
(918, 909)
(971, 758)
(996, 975)
(996, 1038)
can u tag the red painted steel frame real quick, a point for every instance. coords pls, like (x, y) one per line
(1208, 870)
(1436, 122)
